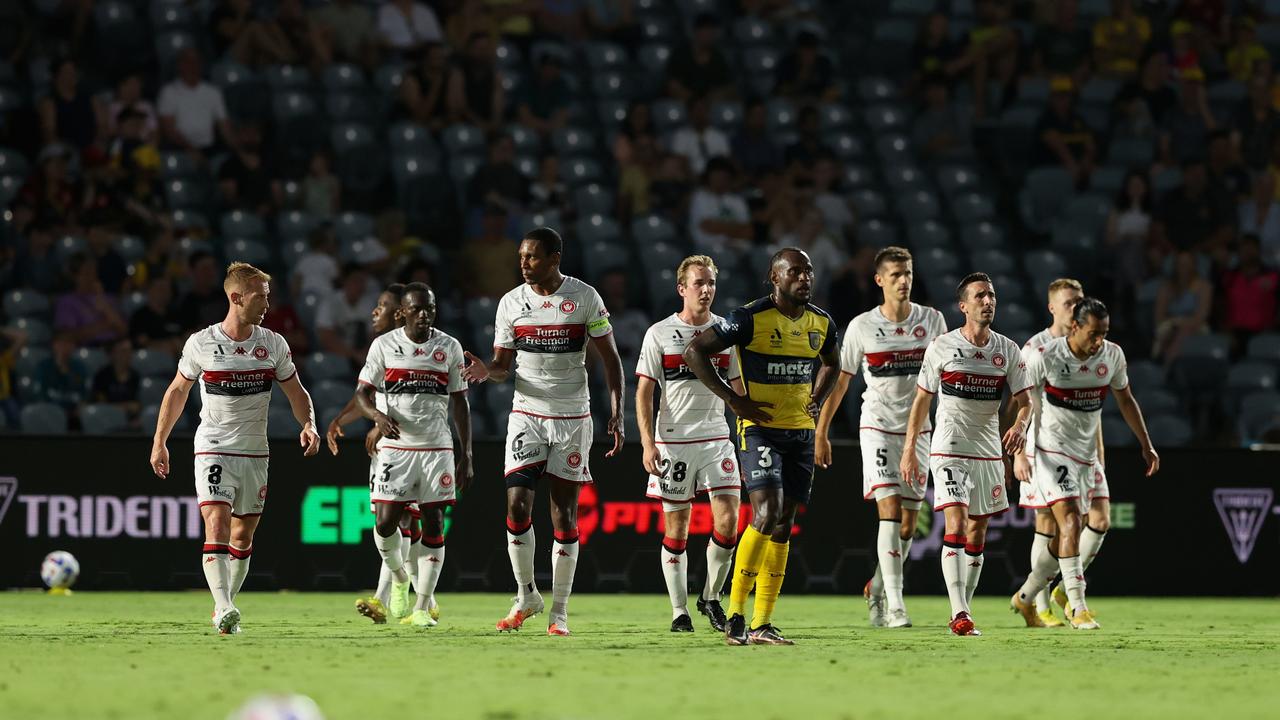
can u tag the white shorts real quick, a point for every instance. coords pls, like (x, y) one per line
(413, 514)
(697, 468)
(881, 453)
(559, 445)
(976, 484)
(1057, 478)
(234, 480)
(413, 476)
(1094, 488)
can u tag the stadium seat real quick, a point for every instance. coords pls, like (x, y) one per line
(572, 141)
(238, 223)
(29, 359)
(1099, 91)
(928, 234)
(247, 250)
(323, 366)
(71, 245)
(177, 165)
(885, 118)
(460, 139)
(918, 205)
(846, 145)
(1014, 316)
(957, 179)
(659, 256)
(37, 331)
(1074, 239)
(903, 177)
(752, 31)
(1264, 347)
(43, 419)
(834, 116)
(330, 393)
(1089, 210)
(526, 139)
(1198, 366)
(549, 217)
(344, 77)
(603, 54)
(168, 46)
(1156, 401)
(351, 226)
(894, 148)
(612, 85)
(857, 176)
(654, 55)
(287, 77)
(726, 114)
(581, 170)
(1042, 195)
(868, 204)
(281, 425)
(190, 245)
(103, 419)
(295, 224)
(994, 263)
(351, 107)
(407, 138)
(877, 233)
(154, 363)
(1251, 377)
(1130, 152)
(782, 114)
(1107, 180)
(759, 64)
(1169, 431)
(983, 235)
(187, 218)
(405, 168)
(668, 115)
(972, 207)
(25, 303)
(1258, 412)
(1116, 433)
(1144, 374)
(652, 230)
(130, 248)
(93, 359)
(593, 199)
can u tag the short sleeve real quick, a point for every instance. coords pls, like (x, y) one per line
(167, 105)
(737, 328)
(1017, 373)
(457, 383)
(735, 365)
(649, 365)
(597, 315)
(939, 323)
(1033, 359)
(930, 377)
(375, 367)
(285, 369)
(1120, 373)
(504, 331)
(832, 342)
(189, 360)
(851, 351)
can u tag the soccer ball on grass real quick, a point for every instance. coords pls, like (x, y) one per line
(59, 570)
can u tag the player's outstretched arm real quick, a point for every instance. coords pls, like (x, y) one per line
(304, 412)
(909, 464)
(334, 431)
(697, 355)
(1133, 416)
(608, 350)
(496, 370)
(821, 440)
(175, 399)
(389, 428)
(460, 408)
(644, 417)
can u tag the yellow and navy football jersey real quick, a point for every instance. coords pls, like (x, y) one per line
(779, 357)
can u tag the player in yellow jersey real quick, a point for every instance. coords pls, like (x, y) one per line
(789, 355)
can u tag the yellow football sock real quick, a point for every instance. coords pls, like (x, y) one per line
(769, 584)
(751, 550)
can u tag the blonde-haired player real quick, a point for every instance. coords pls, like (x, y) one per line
(235, 361)
(690, 452)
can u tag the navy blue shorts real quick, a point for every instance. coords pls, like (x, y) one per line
(773, 458)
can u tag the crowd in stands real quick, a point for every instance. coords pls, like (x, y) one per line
(345, 144)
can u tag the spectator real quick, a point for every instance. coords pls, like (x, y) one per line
(1118, 41)
(289, 37)
(1246, 52)
(941, 130)
(1142, 104)
(548, 191)
(718, 218)
(51, 195)
(156, 325)
(116, 383)
(560, 18)
(38, 265)
(837, 215)
(475, 93)
(159, 261)
(514, 19)
(1249, 293)
(349, 30)
(699, 140)
(1185, 130)
(1182, 45)
(128, 96)
(1127, 232)
(62, 378)
(774, 205)
(1194, 216)
(321, 190)
(812, 236)
(407, 27)
(635, 177)
(801, 154)
(112, 269)
(699, 68)
(1063, 47)
(422, 91)
(1208, 22)
(638, 124)
(1255, 123)
(71, 114)
(614, 20)
(1260, 216)
(934, 50)
(853, 289)
(205, 303)
(499, 181)
(284, 320)
(471, 16)
(804, 75)
(133, 155)
(753, 146)
(629, 323)
(247, 178)
(1182, 307)
(544, 105)
(343, 317)
(11, 341)
(669, 188)
(317, 270)
(191, 110)
(991, 54)
(19, 31)
(1225, 173)
(489, 264)
(1063, 137)
(87, 313)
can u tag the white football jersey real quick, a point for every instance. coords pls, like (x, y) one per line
(415, 380)
(1073, 390)
(549, 334)
(1037, 341)
(235, 386)
(970, 381)
(889, 355)
(688, 411)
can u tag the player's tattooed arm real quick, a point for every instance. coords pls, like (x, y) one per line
(821, 439)
(909, 464)
(698, 357)
(304, 411)
(612, 361)
(644, 417)
(389, 428)
(1133, 417)
(460, 408)
(496, 370)
(171, 406)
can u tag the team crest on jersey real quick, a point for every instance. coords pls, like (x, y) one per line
(446, 480)
(727, 465)
(260, 353)
(438, 356)
(575, 458)
(997, 490)
(919, 332)
(262, 493)
(568, 306)
(997, 360)
(815, 340)
(1102, 370)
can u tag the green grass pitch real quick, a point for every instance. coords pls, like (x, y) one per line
(154, 655)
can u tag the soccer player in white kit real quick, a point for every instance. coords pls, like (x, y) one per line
(1074, 374)
(235, 362)
(971, 368)
(887, 345)
(543, 326)
(415, 368)
(690, 452)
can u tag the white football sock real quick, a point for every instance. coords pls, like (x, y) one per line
(889, 567)
(520, 547)
(430, 562)
(675, 570)
(1034, 587)
(217, 572)
(564, 562)
(239, 560)
(383, 593)
(953, 574)
(719, 557)
(392, 555)
(1090, 544)
(413, 552)
(1073, 580)
(973, 562)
